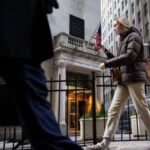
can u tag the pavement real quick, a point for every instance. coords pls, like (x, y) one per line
(119, 145)
(9, 146)
(129, 145)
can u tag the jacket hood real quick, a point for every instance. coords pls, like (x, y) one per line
(128, 31)
(133, 29)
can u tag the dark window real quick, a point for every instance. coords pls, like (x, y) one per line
(111, 23)
(145, 9)
(137, 2)
(76, 27)
(146, 29)
(122, 5)
(139, 17)
(119, 12)
(127, 14)
(77, 79)
(111, 36)
(132, 8)
(115, 4)
(133, 22)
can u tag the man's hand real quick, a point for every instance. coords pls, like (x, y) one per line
(102, 67)
(102, 49)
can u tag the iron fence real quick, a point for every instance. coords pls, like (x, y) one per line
(79, 99)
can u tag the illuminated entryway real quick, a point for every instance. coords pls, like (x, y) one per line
(77, 107)
(77, 99)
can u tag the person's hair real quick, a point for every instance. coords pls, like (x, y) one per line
(124, 23)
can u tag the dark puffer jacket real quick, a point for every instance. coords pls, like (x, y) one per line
(130, 57)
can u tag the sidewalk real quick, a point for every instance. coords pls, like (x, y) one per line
(120, 145)
(129, 145)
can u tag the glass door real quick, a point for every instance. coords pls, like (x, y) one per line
(76, 110)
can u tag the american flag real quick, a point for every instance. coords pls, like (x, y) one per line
(97, 37)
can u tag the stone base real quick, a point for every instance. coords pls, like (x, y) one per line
(63, 129)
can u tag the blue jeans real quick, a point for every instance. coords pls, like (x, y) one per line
(27, 84)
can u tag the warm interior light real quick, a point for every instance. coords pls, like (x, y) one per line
(89, 104)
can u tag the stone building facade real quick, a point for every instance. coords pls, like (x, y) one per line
(72, 26)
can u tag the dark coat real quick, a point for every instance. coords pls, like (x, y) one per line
(130, 57)
(24, 30)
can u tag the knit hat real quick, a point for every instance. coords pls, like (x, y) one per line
(123, 21)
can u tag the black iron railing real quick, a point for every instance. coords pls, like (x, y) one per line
(76, 96)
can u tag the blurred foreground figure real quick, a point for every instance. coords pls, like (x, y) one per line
(25, 41)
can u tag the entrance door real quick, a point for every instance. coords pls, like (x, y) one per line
(76, 110)
(72, 116)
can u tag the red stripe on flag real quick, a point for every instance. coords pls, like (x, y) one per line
(97, 37)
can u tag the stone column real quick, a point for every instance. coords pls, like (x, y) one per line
(55, 87)
(62, 97)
